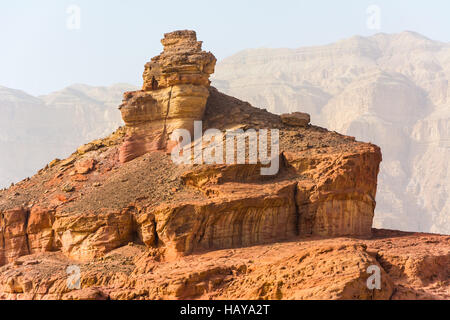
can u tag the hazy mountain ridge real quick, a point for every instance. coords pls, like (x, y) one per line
(35, 130)
(392, 90)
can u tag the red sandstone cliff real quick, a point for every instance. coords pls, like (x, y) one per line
(130, 218)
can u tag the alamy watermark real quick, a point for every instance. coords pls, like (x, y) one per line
(73, 21)
(215, 147)
(73, 281)
(373, 21)
(374, 281)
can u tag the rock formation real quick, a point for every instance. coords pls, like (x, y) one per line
(390, 89)
(300, 119)
(174, 94)
(382, 100)
(129, 217)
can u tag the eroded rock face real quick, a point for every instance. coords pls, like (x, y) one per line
(326, 185)
(412, 266)
(40, 233)
(13, 238)
(85, 237)
(338, 197)
(181, 62)
(98, 205)
(237, 221)
(390, 96)
(173, 96)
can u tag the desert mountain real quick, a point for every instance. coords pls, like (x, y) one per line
(35, 130)
(392, 90)
(388, 89)
(131, 223)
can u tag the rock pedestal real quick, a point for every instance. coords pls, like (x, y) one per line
(136, 219)
(173, 96)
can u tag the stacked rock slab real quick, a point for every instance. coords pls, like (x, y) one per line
(173, 96)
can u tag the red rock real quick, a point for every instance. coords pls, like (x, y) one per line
(182, 62)
(14, 242)
(85, 166)
(174, 95)
(61, 198)
(153, 229)
(39, 230)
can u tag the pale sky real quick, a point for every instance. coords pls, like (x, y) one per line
(39, 53)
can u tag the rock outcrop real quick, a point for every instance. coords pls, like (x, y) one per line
(390, 89)
(326, 185)
(300, 119)
(99, 200)
(413, 266)
(173, 96)
(130, 217)
(181, 62)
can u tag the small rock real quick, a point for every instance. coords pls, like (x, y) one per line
(67, 162)
(85, 166)
(53, 163)
(86, 148)
(68, 188)
(72, 173)
(296, 119)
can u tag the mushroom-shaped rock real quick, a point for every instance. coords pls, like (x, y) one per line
(173, 96)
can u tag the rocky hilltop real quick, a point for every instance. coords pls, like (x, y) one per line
(139, 226)
(390, 89)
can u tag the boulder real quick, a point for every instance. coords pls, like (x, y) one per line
(296, 119)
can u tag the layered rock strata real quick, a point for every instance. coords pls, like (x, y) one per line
(91, 203)
(390, 89)
(173, 96)
(412, 266)
(98, 203)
